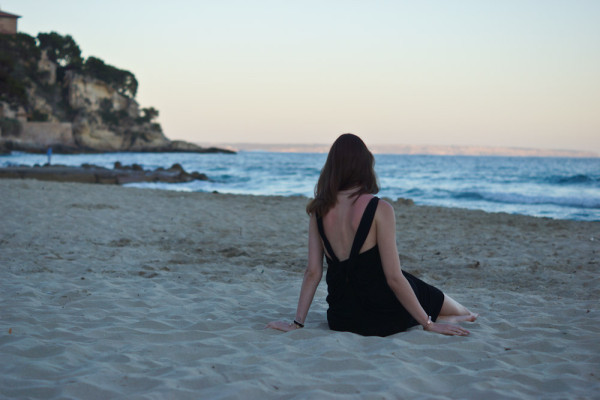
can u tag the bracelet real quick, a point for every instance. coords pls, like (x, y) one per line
(298, 324)
(428, 323)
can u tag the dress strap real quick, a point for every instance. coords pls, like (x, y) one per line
(364, 227)
(325, 241)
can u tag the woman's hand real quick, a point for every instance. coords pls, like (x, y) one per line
(447, 329)
(282, 326)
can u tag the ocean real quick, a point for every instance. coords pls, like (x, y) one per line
(560, 188)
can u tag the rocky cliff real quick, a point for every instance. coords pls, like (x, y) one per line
(50, 97)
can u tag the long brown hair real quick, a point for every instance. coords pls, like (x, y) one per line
(349, 165)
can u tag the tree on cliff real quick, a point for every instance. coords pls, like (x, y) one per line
(18, 65)
(123, 81)
(61, 49)
(65, 52)
(19, 57)
(148, 114)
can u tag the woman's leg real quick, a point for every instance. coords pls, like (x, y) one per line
(453, 311)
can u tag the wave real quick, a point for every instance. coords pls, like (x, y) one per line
(516, 198)
(229, 179)
(414, 192)
(573, 179)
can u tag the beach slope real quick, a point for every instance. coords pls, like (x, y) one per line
(113, 292)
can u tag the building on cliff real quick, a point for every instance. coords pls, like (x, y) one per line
(8, 23)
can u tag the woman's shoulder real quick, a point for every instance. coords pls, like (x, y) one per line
(382, 204)
(384, 209)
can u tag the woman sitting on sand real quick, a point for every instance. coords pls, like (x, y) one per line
(368, 293)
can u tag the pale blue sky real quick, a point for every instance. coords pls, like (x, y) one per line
(516, 73)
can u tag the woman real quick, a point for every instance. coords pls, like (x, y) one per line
(368, 293)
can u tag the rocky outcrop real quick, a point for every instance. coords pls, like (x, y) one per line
(48, 68)
(96, 137)
(95, 174)
(73, 111)
(89, 94)
(48, 133)
(105, 121)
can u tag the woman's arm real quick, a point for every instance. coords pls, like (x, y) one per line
(385, 224)
(312, 278)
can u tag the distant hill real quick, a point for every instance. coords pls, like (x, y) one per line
(414, 149)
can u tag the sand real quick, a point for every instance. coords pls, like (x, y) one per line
(113, 292)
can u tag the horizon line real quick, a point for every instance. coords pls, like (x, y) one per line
(409, 149)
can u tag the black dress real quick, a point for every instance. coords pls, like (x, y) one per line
(359, 297)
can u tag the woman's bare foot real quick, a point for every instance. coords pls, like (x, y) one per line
(470, 317)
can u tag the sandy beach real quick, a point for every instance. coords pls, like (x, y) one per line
(113, 292)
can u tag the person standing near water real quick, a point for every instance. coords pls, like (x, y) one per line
(49, 154)
(368, 293)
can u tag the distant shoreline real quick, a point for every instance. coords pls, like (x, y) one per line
(409, 149)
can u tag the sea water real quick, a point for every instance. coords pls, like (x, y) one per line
(563, 188)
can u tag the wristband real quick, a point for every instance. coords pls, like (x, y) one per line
(428, 323)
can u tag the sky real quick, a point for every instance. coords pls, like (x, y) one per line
(516, 73)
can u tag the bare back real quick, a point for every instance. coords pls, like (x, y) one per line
(341, 223)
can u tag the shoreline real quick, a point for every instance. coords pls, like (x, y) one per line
(495, 185)
(128, 174)
(119, 292)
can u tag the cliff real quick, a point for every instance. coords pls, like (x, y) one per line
(50, 97)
